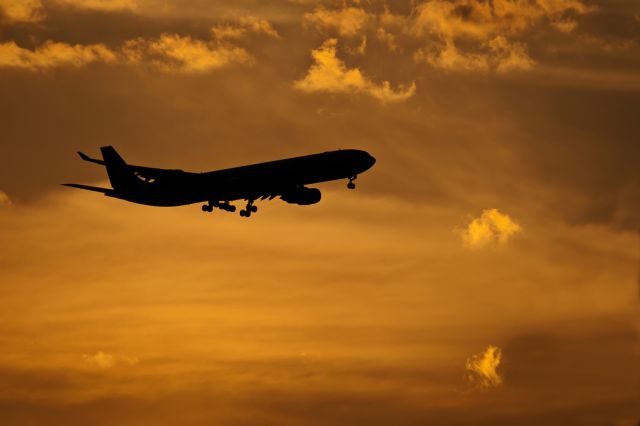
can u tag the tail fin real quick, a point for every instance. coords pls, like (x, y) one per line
(120, 175)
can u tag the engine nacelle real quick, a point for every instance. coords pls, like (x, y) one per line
(302, 195)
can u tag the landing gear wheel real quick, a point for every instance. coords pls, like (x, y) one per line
(207, 208)
(231, 209)
(352, 185)
(250, 208)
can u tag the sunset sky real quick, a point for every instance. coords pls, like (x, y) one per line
(485, 271)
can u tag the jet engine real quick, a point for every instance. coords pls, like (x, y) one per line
(302, 195)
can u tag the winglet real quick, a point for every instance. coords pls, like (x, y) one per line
(85, 157)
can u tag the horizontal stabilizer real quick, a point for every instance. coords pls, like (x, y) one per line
(89, 188)
(85, 157)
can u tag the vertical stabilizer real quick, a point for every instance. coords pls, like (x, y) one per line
(120, 176)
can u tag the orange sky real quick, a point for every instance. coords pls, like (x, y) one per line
(485, 270)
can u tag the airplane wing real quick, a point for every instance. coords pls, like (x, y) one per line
(89, 188)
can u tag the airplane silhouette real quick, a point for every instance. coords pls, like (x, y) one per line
(282, 178)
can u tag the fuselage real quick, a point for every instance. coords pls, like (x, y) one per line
(176, 187)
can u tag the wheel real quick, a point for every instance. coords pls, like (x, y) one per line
(244, 213)
(254, 208)
(205, 208)
(351, 185)
(231, 209)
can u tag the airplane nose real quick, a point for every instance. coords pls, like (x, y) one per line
(372, 160)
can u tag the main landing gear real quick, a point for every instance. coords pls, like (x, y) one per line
(249, 209)
(352, 185)
(221, 205)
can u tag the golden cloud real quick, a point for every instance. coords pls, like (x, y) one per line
(453, 19)
(169, 52)
(482, 369)
(387, 38)
(502, 56)
(104, 360)
(33, 11)
(53, 54)
(360, 48)
(330, 74)
(486, 28)
(5, 201)
(510, 56)
(348, 22)
(492, 226)
(175, 53)
(21, 10)
(244, 26)
(449, 57)
(103, 5)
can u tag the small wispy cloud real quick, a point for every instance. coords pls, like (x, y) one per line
(183, 54)
(5, 201)
(53, 54)
(101, 5)
(242, 27)
(491, 227)
(105, 360)
(169, 53)
(482, 369)
(21, 10)
(348, 21)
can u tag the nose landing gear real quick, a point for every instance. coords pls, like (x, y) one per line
(352, 185)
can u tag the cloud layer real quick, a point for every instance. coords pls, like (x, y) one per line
(116, 313)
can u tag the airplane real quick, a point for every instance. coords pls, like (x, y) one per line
(285, 178)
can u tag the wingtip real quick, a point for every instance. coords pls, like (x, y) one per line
(84, 156)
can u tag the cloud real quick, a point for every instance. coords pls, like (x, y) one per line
(486, 29)
(102, 5)
(510, 55)
(348, 22)
(330, 74)
(175, 53)
(482, 369)
(169, 53)
(242, 27)
(454, 19)
(105, 360)
(5, 201)
(53, 54)
(492, 226)
(30, 11)
(21, 10)
(387, 38)
(360, 48)
(449, 57)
